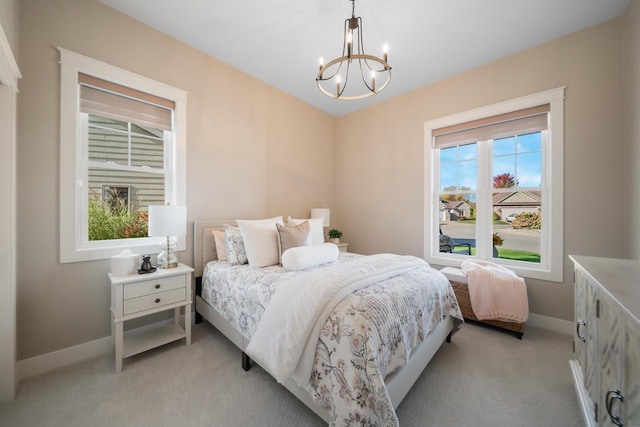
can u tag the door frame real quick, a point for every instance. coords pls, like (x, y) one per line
(9, 75)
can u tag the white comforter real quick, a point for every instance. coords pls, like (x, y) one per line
(288, 332)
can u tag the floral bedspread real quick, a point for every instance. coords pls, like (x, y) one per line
(370, 333)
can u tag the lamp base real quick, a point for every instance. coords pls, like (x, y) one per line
(168, 258)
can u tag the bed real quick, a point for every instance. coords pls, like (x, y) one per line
(345, 391)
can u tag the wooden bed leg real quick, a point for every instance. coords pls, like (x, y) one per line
(519, 335)
(449, 336)
(246, 361)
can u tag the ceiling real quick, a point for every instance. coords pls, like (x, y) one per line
(280, 41)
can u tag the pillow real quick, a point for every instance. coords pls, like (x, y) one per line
(304, 257)
(317, 228)
(293, 236)
(221, 245)
(261, 240)
(236, 251)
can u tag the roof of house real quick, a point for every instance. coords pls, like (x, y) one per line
(517, 198)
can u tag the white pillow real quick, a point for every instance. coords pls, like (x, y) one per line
(303, 257)
(317, 228)
(261, 240)
(221, 244)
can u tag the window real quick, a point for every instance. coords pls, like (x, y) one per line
(495, 186)
(122, 148)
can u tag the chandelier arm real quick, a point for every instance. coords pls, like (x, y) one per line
(344, 36)
(360, 37)
(346, 79)
(364, 79)
(335, 61)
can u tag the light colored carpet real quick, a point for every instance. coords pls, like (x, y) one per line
(483, 378)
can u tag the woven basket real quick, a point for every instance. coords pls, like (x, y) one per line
(462, 295)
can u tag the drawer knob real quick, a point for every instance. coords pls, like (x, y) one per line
(157, 300)
(158, 286)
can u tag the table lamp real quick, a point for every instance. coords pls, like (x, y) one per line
(325, 214)
(167, 221)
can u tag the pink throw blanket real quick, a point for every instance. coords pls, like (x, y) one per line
(496, 292)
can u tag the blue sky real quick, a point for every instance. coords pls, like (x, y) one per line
(520, 156)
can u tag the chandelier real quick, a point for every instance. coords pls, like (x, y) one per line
(375, 72)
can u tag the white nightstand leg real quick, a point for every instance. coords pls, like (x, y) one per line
(176, 315)
(187, 322)
(119, 326)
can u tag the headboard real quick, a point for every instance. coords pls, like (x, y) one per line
(204, 246)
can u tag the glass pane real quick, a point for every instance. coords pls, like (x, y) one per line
(108, 123)
(467, 152)
(504, 172)
(468, 175)
(119, 200)
(448, 154)
(147, 152)
(504, 146)
(106, 142)
(517, 226)
(529, 142)
(457, 224)
(458, 168)
(530, 169)
(448, 176)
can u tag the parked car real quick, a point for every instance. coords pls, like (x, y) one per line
(511, 217)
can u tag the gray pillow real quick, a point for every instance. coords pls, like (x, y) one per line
(293, 236)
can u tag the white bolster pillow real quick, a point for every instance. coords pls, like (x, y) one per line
(303, 257)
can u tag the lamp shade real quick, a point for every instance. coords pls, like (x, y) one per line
(167, 221)
(322, 213)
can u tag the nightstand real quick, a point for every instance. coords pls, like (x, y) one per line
(343, 247)
(139, 295)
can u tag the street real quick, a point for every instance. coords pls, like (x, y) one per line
(523, 240)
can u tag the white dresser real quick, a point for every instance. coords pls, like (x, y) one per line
(606, 368)
(139, 295)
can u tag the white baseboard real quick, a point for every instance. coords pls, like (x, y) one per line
(48, 362)
(550, 323)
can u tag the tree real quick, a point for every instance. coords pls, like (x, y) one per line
(505, 180)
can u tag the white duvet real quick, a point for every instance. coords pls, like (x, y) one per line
(285, 340)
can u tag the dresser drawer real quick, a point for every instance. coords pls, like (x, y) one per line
(148, 302)
(150, 287)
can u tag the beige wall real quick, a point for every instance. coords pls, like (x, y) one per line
(631, 63)
(381, 199)
(252, 151)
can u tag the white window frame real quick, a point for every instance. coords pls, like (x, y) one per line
(74, 244)
(552, 245)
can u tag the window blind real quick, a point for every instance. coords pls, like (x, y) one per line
(529, 120)
(102, 98)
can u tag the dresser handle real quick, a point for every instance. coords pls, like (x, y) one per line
(158, 286)
(581, 337)
(614, 394)
(157, 300)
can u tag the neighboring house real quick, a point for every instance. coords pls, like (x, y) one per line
(452, 210)
(517, 202)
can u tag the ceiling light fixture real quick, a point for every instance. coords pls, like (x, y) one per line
(377, 67)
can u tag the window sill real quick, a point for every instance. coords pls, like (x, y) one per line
(525, 271)
(108, 249)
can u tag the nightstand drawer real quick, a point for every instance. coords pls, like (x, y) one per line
(150, 287)
(152, 301)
